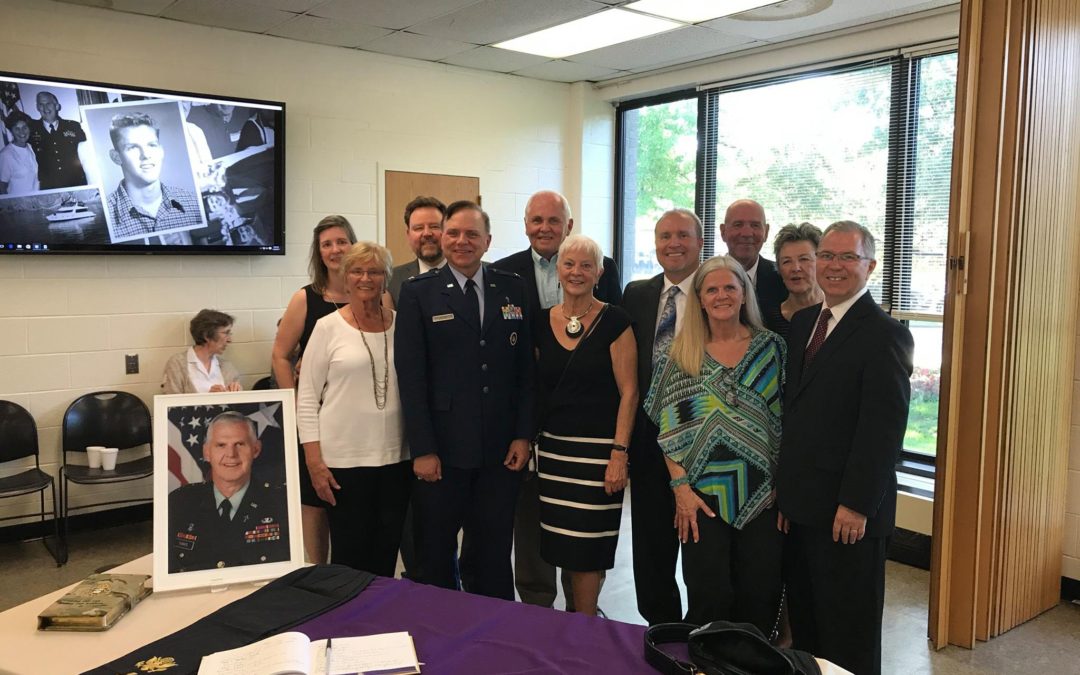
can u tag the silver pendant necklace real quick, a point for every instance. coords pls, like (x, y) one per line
(377, 388)
(573, 323)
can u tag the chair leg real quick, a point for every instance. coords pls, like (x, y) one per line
(64, 490)
(57, 548)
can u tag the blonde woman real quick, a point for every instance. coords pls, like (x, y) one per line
(350, 422)
(716, 397)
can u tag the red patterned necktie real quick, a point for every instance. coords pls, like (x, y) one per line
(818, 338)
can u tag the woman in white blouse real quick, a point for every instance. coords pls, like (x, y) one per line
(349, 415)
(200, 369)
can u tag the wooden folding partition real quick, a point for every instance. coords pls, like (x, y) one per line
(1010, 319)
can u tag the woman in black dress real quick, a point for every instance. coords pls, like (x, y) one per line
(330, 241)
(588, 387)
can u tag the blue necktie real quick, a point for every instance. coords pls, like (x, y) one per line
(472, 298)
(665, 331)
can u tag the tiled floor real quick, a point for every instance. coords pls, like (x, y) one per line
(1049, 644)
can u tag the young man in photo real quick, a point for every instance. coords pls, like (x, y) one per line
(142, 205)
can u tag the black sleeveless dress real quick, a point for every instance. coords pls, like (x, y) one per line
(317, 308)
(579, 523)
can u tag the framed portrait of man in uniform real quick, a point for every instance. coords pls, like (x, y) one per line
(226, 492)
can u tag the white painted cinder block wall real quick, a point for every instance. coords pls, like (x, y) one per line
(1071, 567)
(66, 322)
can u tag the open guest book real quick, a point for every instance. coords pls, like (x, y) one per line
(294, 654)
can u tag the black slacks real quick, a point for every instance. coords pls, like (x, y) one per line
(836, 595)
(365, 525)
(734, 575)
(652, 518)
(480, 503)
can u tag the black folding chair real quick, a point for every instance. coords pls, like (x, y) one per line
(113, 419)
(19, 440)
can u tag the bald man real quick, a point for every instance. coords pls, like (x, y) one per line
(745, 230)
(548, 221)
(56, 144)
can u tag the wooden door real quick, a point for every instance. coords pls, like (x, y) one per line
(404, 186)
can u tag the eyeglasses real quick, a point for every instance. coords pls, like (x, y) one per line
(372, 274)
(844, 258)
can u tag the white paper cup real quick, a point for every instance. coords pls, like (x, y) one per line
(108, 458)
(93, 455)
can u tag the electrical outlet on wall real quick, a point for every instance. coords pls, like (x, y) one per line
(131, 364)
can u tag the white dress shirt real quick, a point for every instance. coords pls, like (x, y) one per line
(838, 313)
(202, 379)
(687, 287)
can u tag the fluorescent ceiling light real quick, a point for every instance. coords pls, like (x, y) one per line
(696, 11)
(586, 34)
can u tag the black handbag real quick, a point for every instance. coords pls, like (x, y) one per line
(723, 648)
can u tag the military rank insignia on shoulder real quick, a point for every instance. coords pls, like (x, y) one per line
(430, 274)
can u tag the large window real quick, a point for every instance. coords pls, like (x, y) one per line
(870, 142)
(659, 158)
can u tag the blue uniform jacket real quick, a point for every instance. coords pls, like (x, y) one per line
(466, 393)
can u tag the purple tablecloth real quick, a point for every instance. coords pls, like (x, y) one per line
(468, 634)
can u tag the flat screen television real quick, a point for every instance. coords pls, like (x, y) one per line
(101, 168)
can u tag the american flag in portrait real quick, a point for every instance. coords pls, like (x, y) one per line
(187, 433)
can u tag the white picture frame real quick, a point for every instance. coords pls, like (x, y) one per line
(268, 541)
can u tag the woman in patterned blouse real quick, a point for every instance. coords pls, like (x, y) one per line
(716, 397)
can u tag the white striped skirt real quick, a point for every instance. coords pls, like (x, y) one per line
(579, 523)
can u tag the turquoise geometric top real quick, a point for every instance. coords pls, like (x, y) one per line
(724, 426)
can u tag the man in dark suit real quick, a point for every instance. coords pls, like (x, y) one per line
(423, 226)
(56, 144)
(745, 230)
(656, 306)
(548, 221)
(466, 383)
(230, 519)
(845, 413)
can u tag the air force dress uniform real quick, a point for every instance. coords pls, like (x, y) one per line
(466, 393)
(200, 538)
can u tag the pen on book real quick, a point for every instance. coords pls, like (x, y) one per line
(328, 652)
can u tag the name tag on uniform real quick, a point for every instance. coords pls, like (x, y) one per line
(442, 317)
(511, 312)
(186, 540)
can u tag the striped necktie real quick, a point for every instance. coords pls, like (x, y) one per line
(818, 338)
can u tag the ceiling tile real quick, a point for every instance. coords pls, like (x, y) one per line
(296, 6)
(701, 57)
(492, 58)
(683, 44)
(327, 32)
(152, 7)
(414, 46)
(841, 14)
(232, 14)
(496, 20)
(395, 14)
(565, 71)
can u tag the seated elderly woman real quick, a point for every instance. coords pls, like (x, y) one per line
(796, 256)
(716, 397)
(201, 369)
